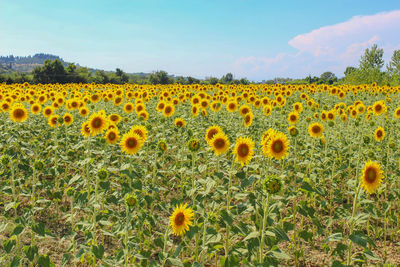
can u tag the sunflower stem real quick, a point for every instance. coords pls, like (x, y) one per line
(264, 223)
(352, 223)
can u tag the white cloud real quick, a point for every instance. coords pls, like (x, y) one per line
(330, 48)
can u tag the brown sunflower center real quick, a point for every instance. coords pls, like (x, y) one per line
(247, 119)
(131, 142)
(232, 106)
(316, 129)
(219, 143)
(179, 218)
(211, 133)
(370, 175)
(243, 150)
(277, 146)
(35, 108)
(96, 123)
(293, 117)
(379, 133)
(112, 136)
(67, 119)
(168, 110)
(179, 123)
(19, 113)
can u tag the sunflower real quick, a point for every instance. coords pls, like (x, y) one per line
(293, 131)
(331, 115)
(267, 110)
(324, 115)
(293, 117)
(85, 130)
(144, 115)
(141, 131)
(195, 110)
(68, 119)
(18, 113)
(181, 219)
(371, 176)
(267, 135)
(179, 122)
(97, 123)
(128, 108)
(219, 143)
(48, 111)
(243, 110)
(112, 136)
(244, 150)
(378, 108)
(169, 110)
(248, 119)
(193, 144)
(160, 106)
(83, 111)
(53, 121)
(231, 106)
(114, 118)
(298, 107)
(277, 147)
(211, 131)
(131, 143)
(36, 108)
(379, 134)
(397, 113)
(316, 129)
(5, 106)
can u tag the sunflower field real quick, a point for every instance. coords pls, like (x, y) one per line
(199, 175)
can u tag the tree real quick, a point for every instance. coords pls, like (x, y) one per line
(101, 77)
(50, 72)
(159, 77)
(372, 58)
(121, 76)
(328, 77)
(349, 70)
(227, 78)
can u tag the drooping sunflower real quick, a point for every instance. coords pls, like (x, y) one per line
(169, 110)
(277, 147)
(181, 219)
(68, 119)
(179, 122)
(112, 136)
(36, 108)
(140, 130)
(97, 123)
(293, 117)
(293, 131)
(248, 119)
(219, 143)
(316, 129)
(131, 143)
(18, 113)
(379, 134)
(371, 177)
(85, 130)
(244, 150)
(211, 131)
(53, 121)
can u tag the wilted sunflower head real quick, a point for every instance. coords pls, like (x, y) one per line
(194, 144)
(273, 184)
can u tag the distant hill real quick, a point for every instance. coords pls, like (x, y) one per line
(26, 64)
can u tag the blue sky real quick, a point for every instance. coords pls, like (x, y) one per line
(254, 39)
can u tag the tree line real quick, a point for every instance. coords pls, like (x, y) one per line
(369, 70)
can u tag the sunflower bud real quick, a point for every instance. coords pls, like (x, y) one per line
(331, 124)
(194, 145)
(5, 160)
(392, 144)
(371, 154)
(60, 120)
(293, 131)
(371, 123)
(366, 139)
(130, 200)
(308, 119)
(273, 184)
(357, 123)
(38, 165)
(162, 145)
(102, 174)
(70, 192)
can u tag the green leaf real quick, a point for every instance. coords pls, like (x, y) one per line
(9, 244)
(30, 252)
(175, 262)
(39, 229)
(44, 261)
(280, 234)
(359, 240)
(15, 262)
(241, 175)
(65, 259)
(18, 229)
(226, 217)
(254, 234)
(98, 251)
(371, 256)
(280, 255)
(334, 237)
